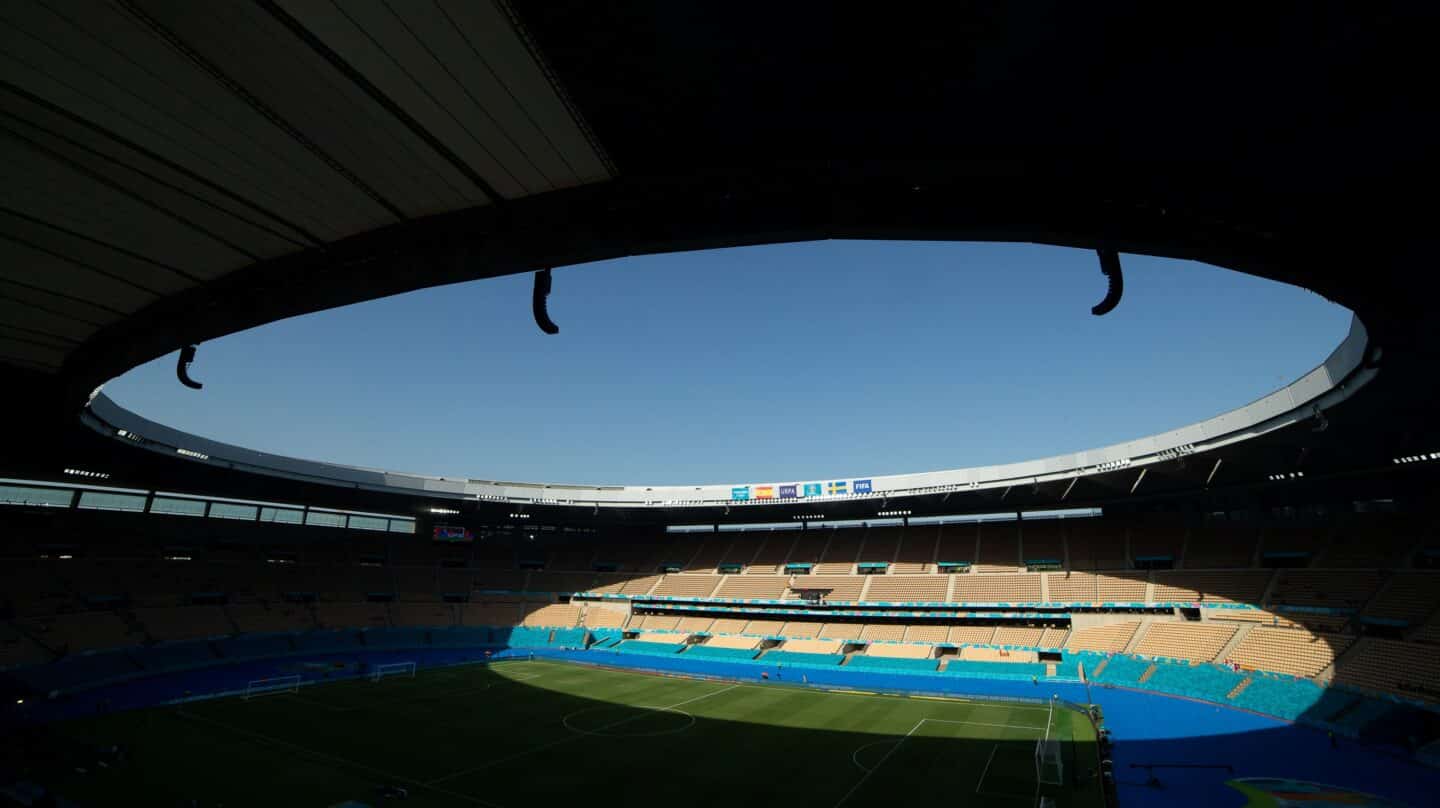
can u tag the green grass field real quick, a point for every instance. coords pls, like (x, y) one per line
(545, 733)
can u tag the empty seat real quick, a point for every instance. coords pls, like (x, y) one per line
(971, 634)
(907, 588)
(1298, 653)
(752, 587)
(976, 588)
(688, 586)
(926, 633)
(1110, 638)
(1197, 642)
(837, 587)
(1018, 635)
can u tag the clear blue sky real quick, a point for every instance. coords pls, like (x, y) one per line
(761, 364)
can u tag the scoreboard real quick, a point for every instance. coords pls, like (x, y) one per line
(452, 533)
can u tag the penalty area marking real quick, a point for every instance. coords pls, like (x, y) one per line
(602, 733)
(855, 756)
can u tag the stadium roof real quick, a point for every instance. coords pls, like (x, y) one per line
(174, 173)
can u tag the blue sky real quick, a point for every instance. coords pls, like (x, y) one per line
(760, 364)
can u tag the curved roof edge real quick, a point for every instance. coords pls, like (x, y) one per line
(1337, 378)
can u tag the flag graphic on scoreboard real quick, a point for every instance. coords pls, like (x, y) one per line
(764, 492)
(788, 492)
(834, 488)
(861, 487)
(811, 490)
(740, 492)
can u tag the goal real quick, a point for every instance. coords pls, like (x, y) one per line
(1049, 768)
(275, 685)
(406, 669)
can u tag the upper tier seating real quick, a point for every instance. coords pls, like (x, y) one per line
(765, 628)
(1409, 597)
(655, 622)
(185, 622)
(1072, 587)
(839, 556)
(797, 628)
(842, 587)
(352, 615)
(16, 649)
(1121, 587)
(1108, 638)
(881, 543)
(1221, 544)
(917, 550)
(1096, 545)
(772, 553)
(627, 585)
(263, 617)
(1370, 541)
(956, 544)
(740, 551)
(907, 588)
(688, 586)
(560, 582)
(1237, 586)
(752, 587)
(999, 547)
(707, 558)
(1345, 589)
(422, 615)
(1054, 638)
(1399, 667)
(1296, 652)
(808, 546)
(976, 588)
(1042, 540)
(1156, 536)
(1198, 642)
(498, 612)
(1302, 539)
(79, 631)
(571, 559)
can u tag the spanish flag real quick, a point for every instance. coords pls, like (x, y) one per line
(764, 492)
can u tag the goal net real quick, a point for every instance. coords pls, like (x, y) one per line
(272, 686)
(1048, 767)
(406, 669)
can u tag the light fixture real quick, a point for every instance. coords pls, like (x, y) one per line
(193, 453)
(99, 475)
(807, 516)
(451, 511)
(894, 513)
(519, 516)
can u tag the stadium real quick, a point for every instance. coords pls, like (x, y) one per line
(1241, 610)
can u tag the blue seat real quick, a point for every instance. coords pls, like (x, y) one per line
(1279, 696)
(798, 658)
(994, 670)
(892, 665)
(648, 648)
(1207, 682)
(728, 654)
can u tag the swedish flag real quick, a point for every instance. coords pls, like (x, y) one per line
(835, 488)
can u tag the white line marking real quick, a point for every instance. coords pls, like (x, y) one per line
(855, 756)
(572, 738)
(878, 764)
(262, 737)
(986, 770)
(982, 724)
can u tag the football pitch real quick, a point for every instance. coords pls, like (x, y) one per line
(546, 733)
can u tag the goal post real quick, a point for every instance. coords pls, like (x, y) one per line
(272, 686)
(405, 669)
(1049, 768)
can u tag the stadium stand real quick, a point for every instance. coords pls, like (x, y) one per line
(707, 558)
(1108, 638)
(1042, 540)
(1157, 536)
(999, 547)
(808, 546)
(881, 545)
(1281, 696)
(840, 554)
(1344, 589)
(740, 552)
(1393, 666)
(802, 658)
(1370, 541)
(655, 622)
(1222, 544)
(971, 634)
(648, 648)
(496, 612)
(352, 615)
(598, 617)
(1018, 635)
(708, 651)
(1207, 682)
(1072, 587)
(560, 582)
(891, 664)
(184, 622)
(993, 588)
(1096, 545)
(841, 631)
(1196, 642)
(571, 559)
(772, 553)
(17, 650)
(752, 587)
(840, 587)
(1120, 670)
(423, 615)
(883, 633)
(1053, 637)
(1292, 651)
(956, 544)
(694, 624)
(927, 633)
(898, 651)
(768, 628)
(916, 553)
(744, 643)
(1238, 586)
(811, 646)
(268, 617)
(687, 586)
(1408, 597)
(1300, 543)
(554, 615)
(908, 588)
(801, 629)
